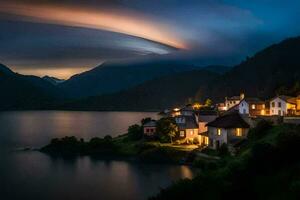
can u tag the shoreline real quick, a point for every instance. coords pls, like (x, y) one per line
(119, 149)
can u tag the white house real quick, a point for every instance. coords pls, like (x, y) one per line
(227, 129)
(233, 101)
(204, 117)
(283, 105)
(252, 107)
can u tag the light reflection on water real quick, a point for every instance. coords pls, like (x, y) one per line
(33, 175)
(37, 128)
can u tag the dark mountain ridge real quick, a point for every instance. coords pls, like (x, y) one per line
(156, 85)
(261, 76)
(112, 77)
(25, 92)
(159, 93)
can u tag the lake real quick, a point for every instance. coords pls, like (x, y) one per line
(34, 175)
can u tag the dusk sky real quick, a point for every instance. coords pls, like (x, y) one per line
(64, 37)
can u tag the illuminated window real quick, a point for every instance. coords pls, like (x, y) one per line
(263, 112)
(181, 133)
(253, 106)
(219, 131)
(191, 132)
(238, 132)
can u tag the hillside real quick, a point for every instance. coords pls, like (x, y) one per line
(266, 168)
(263, 74)
(25, 92)
(159, 93)
(113, 77)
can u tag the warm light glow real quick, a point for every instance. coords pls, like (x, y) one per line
(219, 131)
(238, 132)
(263, 112)
(197, 106)
(127, 23)
(63, 73)
(253, 106)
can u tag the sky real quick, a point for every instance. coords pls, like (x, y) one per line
(64, 37)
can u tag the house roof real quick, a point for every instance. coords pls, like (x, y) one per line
(206, 112)
(206, 118)
(253, 100)
(234, 98)
(151, 123)
(190, 122)
(288, 99)
(232, 120)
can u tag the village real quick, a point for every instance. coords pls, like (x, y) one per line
(226, 123)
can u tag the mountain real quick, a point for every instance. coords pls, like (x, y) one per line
(53, 80)
(25, 92)
(262, 75)
(112, 77)
(159, 93)
(220, 69)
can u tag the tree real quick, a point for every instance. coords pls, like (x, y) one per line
(208, 103)
(167, 127)
(146, 120)
(135, 132)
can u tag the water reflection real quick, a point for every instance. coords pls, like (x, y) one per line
(36, 176)
(37, 128)
(33, 175)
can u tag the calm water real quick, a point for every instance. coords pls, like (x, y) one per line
(33, 175)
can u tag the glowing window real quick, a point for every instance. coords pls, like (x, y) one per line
(219, 131)
(238, 132)
(253, 106)
(181, 133)
(191, 132)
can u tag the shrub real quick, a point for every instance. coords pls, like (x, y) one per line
(135, 132)
(146, 120)
(107, 138)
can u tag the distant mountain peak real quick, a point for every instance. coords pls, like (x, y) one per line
(5, 70)
(53, 80)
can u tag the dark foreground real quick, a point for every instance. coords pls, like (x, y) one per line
(267, 168)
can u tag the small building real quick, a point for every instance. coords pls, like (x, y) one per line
(252, 107)
(188, 110)
(232, 101)
(204, 117)
(149, 128)
(283, 106)
(188, 128)
(227, 129)
(221, 106)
